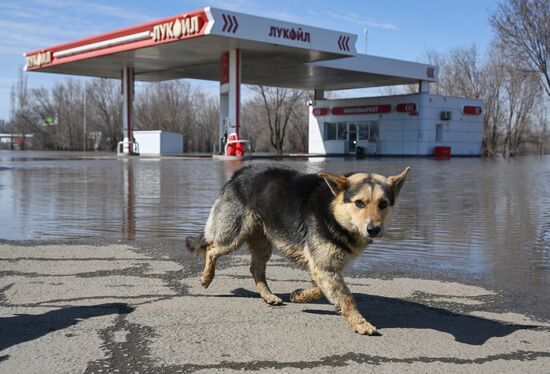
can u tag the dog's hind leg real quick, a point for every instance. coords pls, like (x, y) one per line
(226, 228)
(213, 252)
(305, 296)
(260, 249)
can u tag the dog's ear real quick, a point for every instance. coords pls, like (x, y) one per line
(397, 181)
(336, 183)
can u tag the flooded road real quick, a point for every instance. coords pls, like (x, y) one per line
(484, 218)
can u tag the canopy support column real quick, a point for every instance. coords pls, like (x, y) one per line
(424, 87)
(230, 95)
(127, 110)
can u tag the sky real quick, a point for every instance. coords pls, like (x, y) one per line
(396, 28)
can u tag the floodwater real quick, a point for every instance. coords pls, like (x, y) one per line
(489, 218)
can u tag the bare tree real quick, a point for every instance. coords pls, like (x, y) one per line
(58, 113)
(440, 60)
(462, 75)
(523, 31)
(4, 126)
(279, 105)
(540, 127)
(299, 132)
(21, 116)
(299, 125)
(44, 108)
(459, 74)
(104, 102)
(56, 116)
(164, 105)
(68, 98)
(493, 76)
(521, 91)
(179, 107)
(202, 132)
(253, 127)
(30, 108)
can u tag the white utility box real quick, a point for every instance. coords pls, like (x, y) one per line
(159, 143)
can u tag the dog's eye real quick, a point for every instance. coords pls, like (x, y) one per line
(383, 204)
(359, 203)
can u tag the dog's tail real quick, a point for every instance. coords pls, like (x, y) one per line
(197, 244)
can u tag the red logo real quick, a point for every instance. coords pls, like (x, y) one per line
(406, 108)
(430, 72)
(320, 112)
(474, 110)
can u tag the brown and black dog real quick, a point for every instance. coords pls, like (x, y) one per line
(321, 222)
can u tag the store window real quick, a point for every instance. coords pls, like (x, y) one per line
(363, 131)
(366, 130)
(374, 137)
(342, 131)
(330, 131)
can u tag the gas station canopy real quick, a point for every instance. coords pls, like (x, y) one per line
(273, 53)
(231, 48)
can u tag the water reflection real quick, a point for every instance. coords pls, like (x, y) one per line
(129, 217)
(470, 215)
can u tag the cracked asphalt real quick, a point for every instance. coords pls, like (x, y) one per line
(117, 308)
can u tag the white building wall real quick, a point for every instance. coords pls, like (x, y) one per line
(403, 133)
(463, 133)
(316, 144)
(158, 143)
(171, 143)
(148, 141)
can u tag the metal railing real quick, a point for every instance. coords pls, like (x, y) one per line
(125, 144)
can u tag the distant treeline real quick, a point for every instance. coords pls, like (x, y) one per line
(60, 116)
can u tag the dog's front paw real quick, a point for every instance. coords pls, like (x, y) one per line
(365, 328)
(272, 299)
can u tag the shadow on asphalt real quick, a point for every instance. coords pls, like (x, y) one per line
(26, 327)
(387, 313)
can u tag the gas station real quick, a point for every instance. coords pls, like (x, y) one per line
(235, 48)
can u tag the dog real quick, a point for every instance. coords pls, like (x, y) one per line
(321, 222)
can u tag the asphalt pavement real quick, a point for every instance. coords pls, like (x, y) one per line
(115, 308)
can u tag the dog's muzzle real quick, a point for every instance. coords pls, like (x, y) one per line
(374, 231)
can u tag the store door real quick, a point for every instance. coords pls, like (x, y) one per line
(352, 138)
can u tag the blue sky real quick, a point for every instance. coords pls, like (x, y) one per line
(397, 29)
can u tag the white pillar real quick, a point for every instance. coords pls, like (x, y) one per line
(425, 122)
(424, 87)
(127, 106)
(230, 92)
